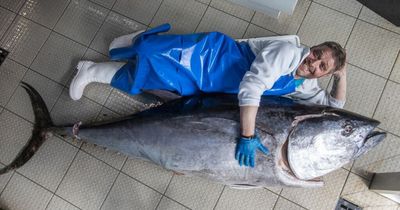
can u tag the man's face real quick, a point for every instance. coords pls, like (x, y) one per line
(317, 64)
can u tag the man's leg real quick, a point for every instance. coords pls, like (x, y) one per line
(88, 72)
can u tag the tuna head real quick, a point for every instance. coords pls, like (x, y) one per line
(321, 143)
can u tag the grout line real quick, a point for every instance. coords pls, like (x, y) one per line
(5, 32)
(151, 20)
(54, 195)
(201, 19)
(352, 29)
(248, 25)
(384, 87)
(345, 182)
(59, 18)
(219, 197)
(115, 180)
(337, 10)
(5, 186)
(65, 174)
(232, 14)
(302, 21)
(276, 202)
(177, 202)
(280, 196)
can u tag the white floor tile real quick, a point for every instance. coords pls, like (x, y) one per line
(148, 173)
(215, 20)
(194, 192)
(4, 179)
(142, 11)
(254, 31)
(183, 15)
(283, 204)
(387, 111)
(395, 75)
(87, 182)
(168, 204)
(125, 104)
(323, 24)
(233, 9)
(58, 57)
(130, 194)
(15, 132)
(373, 48)
(81, 20)
(350, 7)
(363, 91)
(20, 102)
(276, 190)
(105, 3)
(67, 111)
(114, 26)
(7, 18)
(45, 12)
(22, 193)
(57, 203)
(50, 163)
(11, 74)
(24, 39)
(246, 199)
(13, 5)
(320, 198)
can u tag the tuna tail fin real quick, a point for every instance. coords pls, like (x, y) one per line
(39, 132)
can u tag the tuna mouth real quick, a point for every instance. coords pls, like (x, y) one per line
(375, 134)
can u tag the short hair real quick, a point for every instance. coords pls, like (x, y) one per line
(338, 53)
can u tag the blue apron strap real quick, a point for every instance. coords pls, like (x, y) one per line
(284, 85)
(129, 52)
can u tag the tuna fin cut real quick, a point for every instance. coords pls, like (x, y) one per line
(39, 133)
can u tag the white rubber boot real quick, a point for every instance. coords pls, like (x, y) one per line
(124, 41)
(88, 72)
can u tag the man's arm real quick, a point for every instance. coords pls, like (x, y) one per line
(248, 120)
(339, 84)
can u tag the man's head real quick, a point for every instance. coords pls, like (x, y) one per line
(323, 59)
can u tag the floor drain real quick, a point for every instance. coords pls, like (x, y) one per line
(3, 55)
(346, 205)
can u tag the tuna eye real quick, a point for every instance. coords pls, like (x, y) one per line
(347, 128)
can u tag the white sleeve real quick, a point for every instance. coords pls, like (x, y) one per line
(310, 92)
(273, 61)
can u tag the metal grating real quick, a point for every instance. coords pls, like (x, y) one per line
(342, 204)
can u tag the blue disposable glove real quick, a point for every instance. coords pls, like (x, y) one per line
(246, 150)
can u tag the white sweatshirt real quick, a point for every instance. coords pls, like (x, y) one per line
(274, 59)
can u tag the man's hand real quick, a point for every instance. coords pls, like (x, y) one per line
(246, 150)
(341, 72)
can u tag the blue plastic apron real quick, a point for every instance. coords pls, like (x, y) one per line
(187, 64)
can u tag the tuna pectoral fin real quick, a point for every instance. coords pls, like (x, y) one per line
(370, 142)
(39, 132)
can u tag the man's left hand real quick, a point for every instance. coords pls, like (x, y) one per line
(246, 150)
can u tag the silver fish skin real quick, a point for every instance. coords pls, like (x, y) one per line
(197, 136)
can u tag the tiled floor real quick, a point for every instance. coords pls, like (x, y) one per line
(46, 38)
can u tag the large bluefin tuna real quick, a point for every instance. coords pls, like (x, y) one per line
(197, 136)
